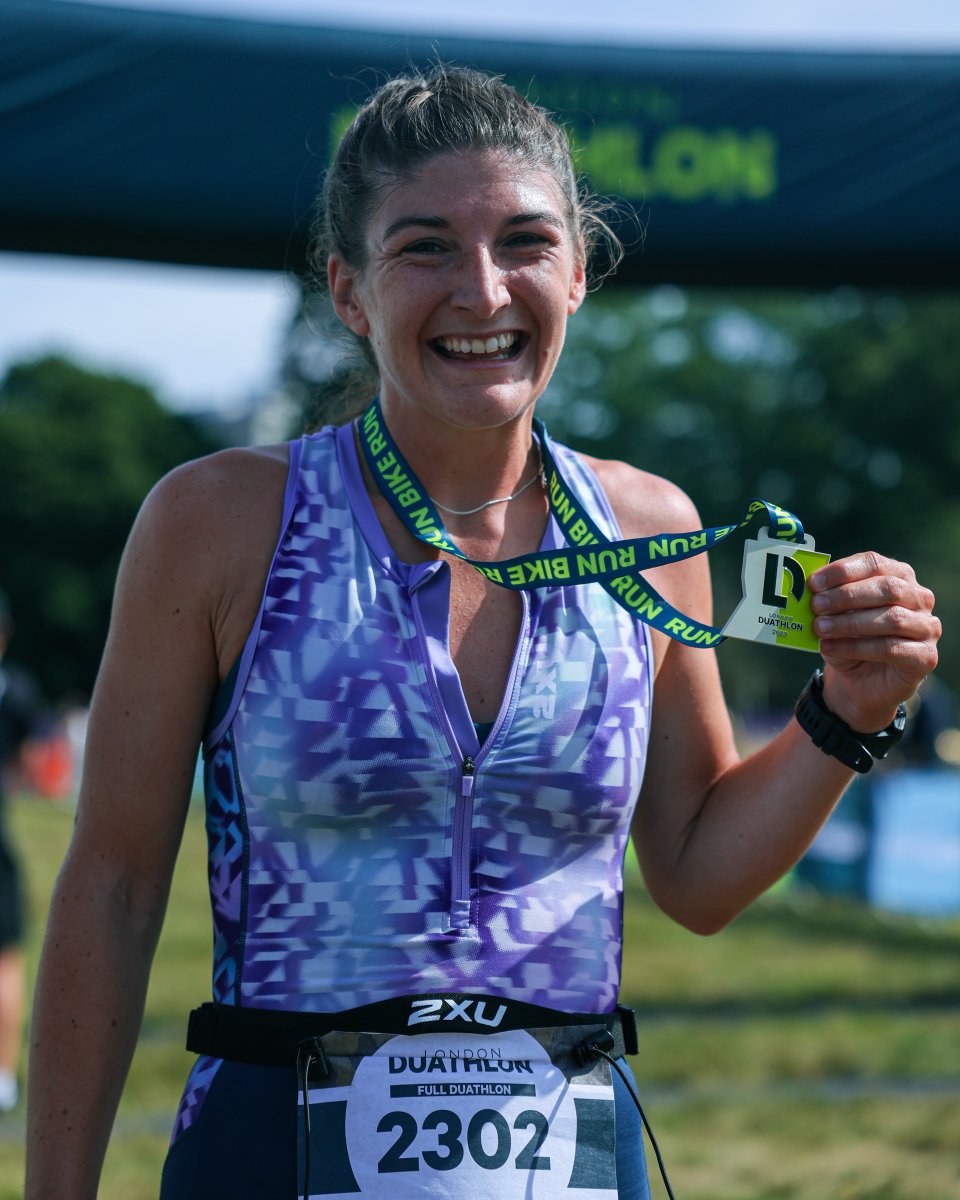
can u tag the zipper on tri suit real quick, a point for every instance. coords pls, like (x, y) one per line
(462, 824)
(458, 917)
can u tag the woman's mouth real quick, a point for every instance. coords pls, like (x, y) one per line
(494, 347)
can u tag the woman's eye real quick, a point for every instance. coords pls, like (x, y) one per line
(424, 246)
(524, 240)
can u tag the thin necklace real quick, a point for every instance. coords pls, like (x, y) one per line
(468, 512)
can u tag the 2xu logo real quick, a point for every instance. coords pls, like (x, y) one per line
(429, 1011)
(773, 580)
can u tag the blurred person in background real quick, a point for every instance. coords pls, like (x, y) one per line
(19, 716)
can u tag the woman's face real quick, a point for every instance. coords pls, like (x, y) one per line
(471, 274)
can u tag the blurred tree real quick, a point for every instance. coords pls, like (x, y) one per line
(79, 450)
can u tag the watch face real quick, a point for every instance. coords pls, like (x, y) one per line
(880, 744)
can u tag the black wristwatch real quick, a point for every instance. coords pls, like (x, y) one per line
(835, 737)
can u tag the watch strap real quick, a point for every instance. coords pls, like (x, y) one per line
(833, 735)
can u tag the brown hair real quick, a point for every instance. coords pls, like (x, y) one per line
(415, 117)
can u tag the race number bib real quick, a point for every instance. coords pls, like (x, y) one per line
(401, 1117)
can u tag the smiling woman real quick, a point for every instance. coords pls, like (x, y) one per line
(420, 783)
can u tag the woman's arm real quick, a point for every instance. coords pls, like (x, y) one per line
(179, 610)
(713, 832)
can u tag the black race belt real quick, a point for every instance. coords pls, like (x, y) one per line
(264, 1037)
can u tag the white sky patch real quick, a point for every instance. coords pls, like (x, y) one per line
(922, 24)
(203, 338)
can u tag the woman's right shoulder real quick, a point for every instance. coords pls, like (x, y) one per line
(205, 537)
(224, 477)
(215, 519)
(220, 492)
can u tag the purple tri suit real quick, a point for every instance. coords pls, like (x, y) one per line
(363, 843)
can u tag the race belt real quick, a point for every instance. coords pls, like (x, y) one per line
(452, 1094)
(265, 1037)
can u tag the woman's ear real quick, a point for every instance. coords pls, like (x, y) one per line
(578, 284)
(345, 295)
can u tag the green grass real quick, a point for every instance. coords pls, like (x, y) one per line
(809, 1052)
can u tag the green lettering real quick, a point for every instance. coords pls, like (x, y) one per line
(726, 164)
(647, 608)
(786, 523)
(634, 595)
(742, 165)
(691, 633)
(422, 519)
(434, 537)
(680, 163)
(690, 163)
(607, 561)
(535, 570)
(396, 478)
(579, 533)
(612, 157)
(759, 165)
(564, 510)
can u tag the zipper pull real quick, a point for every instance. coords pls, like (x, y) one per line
(467, 779)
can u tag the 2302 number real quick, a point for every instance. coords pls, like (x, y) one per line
(489, 1151)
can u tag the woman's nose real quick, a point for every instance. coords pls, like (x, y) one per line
(480, 286)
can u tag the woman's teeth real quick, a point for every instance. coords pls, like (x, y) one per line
(495, 344)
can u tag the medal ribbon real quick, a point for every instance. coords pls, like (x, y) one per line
(591, 558)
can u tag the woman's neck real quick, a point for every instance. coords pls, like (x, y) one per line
(466, 469)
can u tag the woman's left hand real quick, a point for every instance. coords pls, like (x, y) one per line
(878, 636)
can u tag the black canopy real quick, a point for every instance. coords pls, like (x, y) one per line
(159, 136)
